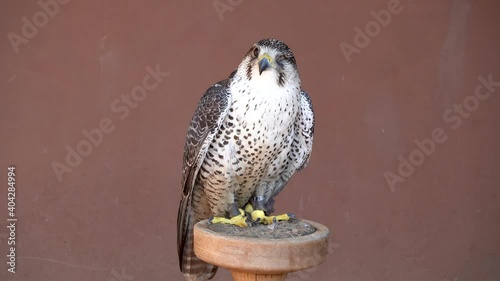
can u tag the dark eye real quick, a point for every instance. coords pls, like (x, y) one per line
(256, 51)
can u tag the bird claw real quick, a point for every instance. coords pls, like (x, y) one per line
(240, 220)
(249, 208)
(257, 221)
(259, 216)
(252, 223)
(249, 217)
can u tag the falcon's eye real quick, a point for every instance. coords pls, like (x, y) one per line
(256, 51)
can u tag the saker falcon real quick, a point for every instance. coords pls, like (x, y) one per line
(249, 134)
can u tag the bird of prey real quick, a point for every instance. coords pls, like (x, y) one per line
(249, 134)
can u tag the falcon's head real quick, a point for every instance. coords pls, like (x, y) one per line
(270, 59)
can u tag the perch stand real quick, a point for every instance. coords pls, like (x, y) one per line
(250, 256)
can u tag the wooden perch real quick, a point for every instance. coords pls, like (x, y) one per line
(265, 253)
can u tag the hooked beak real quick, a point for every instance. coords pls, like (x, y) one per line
(264, 62)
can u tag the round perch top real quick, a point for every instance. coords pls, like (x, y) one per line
(279, 248)
(286, 229)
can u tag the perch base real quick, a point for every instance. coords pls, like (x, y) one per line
(262, 253)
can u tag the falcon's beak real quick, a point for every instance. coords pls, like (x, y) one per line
(264, 62)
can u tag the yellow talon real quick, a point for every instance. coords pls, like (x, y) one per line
(284, 217)
(249, 208)
(261, 216)
(239, 220)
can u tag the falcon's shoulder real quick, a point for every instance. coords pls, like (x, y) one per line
(305, 124)
(208, 116)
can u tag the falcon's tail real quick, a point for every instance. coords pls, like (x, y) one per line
(193, 268)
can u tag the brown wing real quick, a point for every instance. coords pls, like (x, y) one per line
(207, 118)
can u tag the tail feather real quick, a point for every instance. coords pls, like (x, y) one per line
(193, 268)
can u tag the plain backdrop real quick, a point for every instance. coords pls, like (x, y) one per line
(112, 217)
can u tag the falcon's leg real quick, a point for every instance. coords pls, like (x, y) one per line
(238, 217)
(258, 214)
(269, 207)
(234, 211)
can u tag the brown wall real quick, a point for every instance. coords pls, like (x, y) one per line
(112, 218)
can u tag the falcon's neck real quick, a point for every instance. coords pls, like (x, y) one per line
(261, 98)
(249, 82)
(263, 87)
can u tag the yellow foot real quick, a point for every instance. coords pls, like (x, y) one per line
(260, 216)
(239, 220)
(248, 208)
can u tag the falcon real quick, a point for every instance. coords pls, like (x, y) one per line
(249, 134)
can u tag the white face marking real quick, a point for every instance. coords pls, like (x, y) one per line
(271, 75)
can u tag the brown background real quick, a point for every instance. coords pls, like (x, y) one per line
(117, 209)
